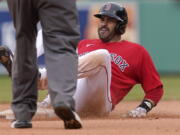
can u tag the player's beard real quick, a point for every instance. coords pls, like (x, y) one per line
(105, 34)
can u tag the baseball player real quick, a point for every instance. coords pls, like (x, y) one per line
(61, 34)
(131, 63)
(103, 83)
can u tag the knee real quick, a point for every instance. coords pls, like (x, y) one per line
(103, 55)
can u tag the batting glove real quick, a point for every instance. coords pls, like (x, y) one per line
(142, 109)
(137, 112)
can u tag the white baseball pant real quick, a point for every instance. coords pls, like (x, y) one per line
(92, 95)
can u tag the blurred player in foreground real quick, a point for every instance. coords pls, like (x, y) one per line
(109, 67)
(59, 21)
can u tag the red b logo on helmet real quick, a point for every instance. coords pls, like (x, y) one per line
(107, 6)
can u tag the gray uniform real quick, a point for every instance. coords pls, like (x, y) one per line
(60, 36)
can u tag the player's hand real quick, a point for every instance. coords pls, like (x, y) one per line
(42, 84)
(137, 112)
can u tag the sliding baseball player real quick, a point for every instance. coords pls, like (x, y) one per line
(109, 67)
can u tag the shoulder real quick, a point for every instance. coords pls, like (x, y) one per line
(84, 42)
(133, 44)
(136, 47)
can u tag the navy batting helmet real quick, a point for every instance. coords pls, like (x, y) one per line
(117, 12)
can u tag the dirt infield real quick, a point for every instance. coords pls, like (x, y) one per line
(163, 120)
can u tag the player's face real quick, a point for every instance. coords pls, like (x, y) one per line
(106, 28)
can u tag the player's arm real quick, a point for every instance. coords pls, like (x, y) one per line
(39, 43)
(151, 84)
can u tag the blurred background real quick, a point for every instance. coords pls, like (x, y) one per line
(153, 23)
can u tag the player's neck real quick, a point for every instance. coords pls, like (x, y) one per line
(116, 39)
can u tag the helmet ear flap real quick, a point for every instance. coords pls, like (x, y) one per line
(117, 28)
(120, 28)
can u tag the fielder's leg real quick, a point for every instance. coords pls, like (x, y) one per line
(25, 72)
(60, 37)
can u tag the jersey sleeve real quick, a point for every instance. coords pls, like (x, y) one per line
(39, 44)
(148, 75)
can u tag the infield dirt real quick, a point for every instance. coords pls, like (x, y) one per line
(164, 119)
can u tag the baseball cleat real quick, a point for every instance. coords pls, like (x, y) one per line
(70, 118)
(6, 57)
(21, 124)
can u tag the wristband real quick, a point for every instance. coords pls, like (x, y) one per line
(146, 104)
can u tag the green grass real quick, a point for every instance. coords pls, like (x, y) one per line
(171, 90)
(6, 90)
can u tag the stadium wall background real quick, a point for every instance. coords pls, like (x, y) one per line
(158, 30)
